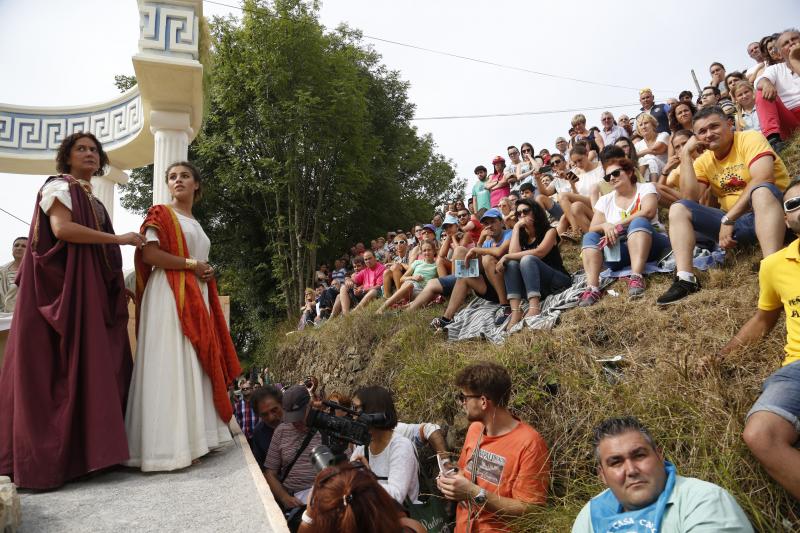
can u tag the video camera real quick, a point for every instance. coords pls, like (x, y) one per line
(338, 431)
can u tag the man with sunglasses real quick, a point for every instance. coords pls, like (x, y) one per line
(748, 179)
(773, 423)
(504, 466)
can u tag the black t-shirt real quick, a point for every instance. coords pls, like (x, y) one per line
(553, 257)
(259, 442)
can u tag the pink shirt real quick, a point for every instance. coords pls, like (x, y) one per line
(369, 278)
(497, 194)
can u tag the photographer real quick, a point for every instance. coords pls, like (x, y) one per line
(390, 456)
(289, 471)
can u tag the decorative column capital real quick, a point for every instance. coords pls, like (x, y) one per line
(170, 120)
(169, 27)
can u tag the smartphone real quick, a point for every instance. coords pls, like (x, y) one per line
(571, 176)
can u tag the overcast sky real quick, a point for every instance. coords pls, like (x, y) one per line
(66, 53)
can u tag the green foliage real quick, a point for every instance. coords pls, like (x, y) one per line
(123, 82)
(307, 147)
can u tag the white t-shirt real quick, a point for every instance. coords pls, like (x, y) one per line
(656, 162)
(615, 214)
(398, 463)
(786, 82)
(588, 179)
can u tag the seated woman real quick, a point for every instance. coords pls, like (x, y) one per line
(399, 265)
(414, 280)
(389, 455)
(308, 313)
(626, 222)
(746, 116)
(533, 262)
(652, 149)
(577, 206)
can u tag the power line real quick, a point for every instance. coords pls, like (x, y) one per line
(14, 216)
(465, 58)
(524, 113)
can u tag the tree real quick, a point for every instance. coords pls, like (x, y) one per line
(307, 146)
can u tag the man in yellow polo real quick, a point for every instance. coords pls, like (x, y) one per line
(773, 427)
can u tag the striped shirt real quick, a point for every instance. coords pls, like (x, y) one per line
(282, 448)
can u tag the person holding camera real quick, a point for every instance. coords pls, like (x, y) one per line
(389, 456)
(289, 471)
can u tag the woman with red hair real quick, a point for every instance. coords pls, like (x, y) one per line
(349, 499)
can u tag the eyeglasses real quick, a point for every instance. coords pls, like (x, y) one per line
(462, 215)
(792, 204)
(401, 242)
(527, 151)
(524, 211)
(461, 397)
(515, 152)
(614, 174)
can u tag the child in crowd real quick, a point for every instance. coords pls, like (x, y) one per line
(419, 273)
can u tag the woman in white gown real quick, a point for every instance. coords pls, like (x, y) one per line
(184, 354)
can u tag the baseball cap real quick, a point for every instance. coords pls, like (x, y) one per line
(449, 219)
(429, 227)
(295, 400)
(491, 213)
(498, 159)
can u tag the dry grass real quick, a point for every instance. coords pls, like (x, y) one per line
(561, 390)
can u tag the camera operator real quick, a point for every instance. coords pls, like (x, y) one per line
(348, 499)
(389, 455)
(289, 471)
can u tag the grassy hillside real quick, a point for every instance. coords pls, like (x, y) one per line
(562, 391)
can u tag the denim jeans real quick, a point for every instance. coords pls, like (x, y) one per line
(658, 248)
(538, 278)
(781, 395)
(705, 221)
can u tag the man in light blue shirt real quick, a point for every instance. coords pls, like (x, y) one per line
(645, 494)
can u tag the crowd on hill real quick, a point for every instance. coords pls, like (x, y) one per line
(713, 164)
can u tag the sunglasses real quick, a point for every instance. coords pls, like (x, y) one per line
(462, 215)
(614, 174)
(792, 204)
(524, 211)
(401, 242)
(556, 161)
(461, 397)
(527, 151)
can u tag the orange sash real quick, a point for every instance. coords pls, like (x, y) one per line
(207, 332)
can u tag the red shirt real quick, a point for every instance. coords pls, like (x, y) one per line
(514, 465)
(369, 278)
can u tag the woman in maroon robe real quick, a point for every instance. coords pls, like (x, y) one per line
(67, 365)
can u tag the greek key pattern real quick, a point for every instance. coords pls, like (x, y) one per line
(40, 133)
(168, 29)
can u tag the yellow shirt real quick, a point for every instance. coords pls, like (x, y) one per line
(674, 178)
(729, 176)
(779, 279)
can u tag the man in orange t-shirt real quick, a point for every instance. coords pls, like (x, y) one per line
(504, 465)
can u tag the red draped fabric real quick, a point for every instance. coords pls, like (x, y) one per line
(205, 328)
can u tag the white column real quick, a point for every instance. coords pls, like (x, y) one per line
(103, 187)
(172, 133)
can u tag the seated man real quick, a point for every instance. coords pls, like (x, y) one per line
(290, 482)
(266, 402)
(504, 466)
(645, 493)
(748, 179)
(489, 285)
(450, 241)
(778, 96)
(363, 287)
(773, 427)
(711, 97)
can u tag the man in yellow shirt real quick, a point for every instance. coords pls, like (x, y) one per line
(748, 179)
(773, 428)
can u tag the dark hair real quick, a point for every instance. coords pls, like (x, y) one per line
(377, 399)
(716, 63)
(708, 111)
(762, 44)
(261, 393)
(540, 224)
(62, 156)
(683, 133)
(633, 156)
(795, 182)
(611, 427)
(23, 238)
(735, 74)
(358, 259)
(579, 149)
(510, 147)
(715, 90)
(527, 186)
(514, 193)
(674, 125)
(198, 194)
(588, 143)
(612, 151)
(625, 164)
(523, 145)
(479, 168)
(487, 379)
(349, 499)
(685, 93)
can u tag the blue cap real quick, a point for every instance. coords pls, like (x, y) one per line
(492, 213)
(449, 219)
(430, 227)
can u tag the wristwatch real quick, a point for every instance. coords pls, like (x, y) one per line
(726, 221)
(480, 498)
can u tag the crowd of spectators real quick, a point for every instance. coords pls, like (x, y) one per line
(713, 167)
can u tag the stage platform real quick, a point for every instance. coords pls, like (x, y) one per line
(225, 492)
